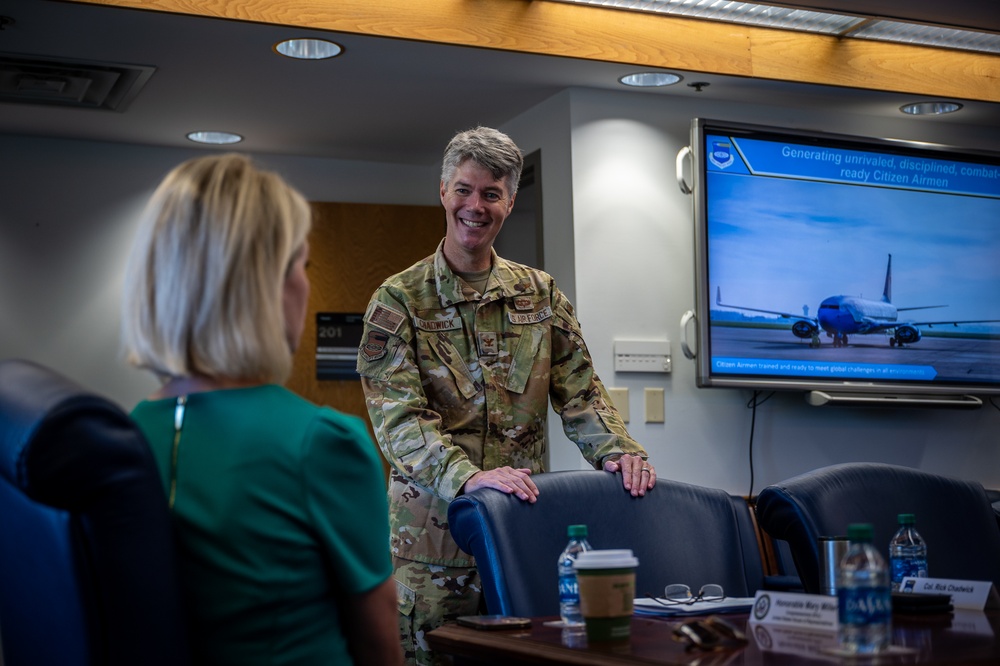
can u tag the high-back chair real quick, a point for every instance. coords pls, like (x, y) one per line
(680, 533)
(87, 570)
(955, 517)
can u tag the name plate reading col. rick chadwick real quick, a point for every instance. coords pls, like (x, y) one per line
(970, 594)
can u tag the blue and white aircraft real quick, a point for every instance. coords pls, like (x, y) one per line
(841, 316)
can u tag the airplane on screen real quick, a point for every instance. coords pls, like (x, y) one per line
(841, 316)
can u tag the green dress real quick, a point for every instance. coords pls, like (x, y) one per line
(279, 509)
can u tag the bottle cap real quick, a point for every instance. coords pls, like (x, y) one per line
(577, 530)
(907, 519)
(860, 532)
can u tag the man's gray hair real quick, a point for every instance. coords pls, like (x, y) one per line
(490, 149)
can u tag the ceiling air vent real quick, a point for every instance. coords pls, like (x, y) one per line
(74, 83)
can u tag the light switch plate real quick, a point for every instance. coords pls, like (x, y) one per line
(619, 398)
(654, 405)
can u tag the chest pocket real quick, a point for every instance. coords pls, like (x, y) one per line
(531, 329)
(449, 356)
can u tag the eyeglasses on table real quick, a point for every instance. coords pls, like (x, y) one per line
(679, 593)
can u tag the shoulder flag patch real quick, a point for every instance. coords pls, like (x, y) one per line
(384, 317)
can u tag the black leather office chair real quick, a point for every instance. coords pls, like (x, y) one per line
(680, 533)
(87, 571)
(781, 574)
(955, 517)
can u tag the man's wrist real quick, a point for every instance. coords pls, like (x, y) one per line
(615, 457)
(461, 488)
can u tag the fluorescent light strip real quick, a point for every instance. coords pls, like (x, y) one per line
(748, 13)
(913, 33)
(745, 13)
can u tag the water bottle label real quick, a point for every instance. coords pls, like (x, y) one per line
(568, 589)
(864, 605)
(908, 568)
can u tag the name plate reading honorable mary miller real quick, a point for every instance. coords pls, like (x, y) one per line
(338, 336)
(792, 609)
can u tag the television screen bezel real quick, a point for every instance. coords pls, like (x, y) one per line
(819, 390)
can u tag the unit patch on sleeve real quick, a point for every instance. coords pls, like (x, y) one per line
(384, 317)
(374, 347)
(530, 317)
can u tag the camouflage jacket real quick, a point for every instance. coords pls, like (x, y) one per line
(457, 382)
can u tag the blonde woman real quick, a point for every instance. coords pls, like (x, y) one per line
(278, 504)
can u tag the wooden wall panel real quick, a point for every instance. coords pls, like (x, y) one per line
(353, 248)
(644, 39)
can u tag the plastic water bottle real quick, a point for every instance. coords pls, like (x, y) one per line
(907, 552)
(864, 600)
(569, 591)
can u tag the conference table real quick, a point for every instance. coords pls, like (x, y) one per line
(958, 638)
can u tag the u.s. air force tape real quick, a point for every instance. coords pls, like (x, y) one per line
(529, 317)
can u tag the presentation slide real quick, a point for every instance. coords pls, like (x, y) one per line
(833, 262)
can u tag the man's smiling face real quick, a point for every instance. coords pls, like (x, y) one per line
(476, 206)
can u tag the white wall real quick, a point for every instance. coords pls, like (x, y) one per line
(618, 239)
(634, 261)
(546, 128)
(67, 214)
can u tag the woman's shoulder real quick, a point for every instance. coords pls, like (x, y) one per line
(287, 402)
(264, 412)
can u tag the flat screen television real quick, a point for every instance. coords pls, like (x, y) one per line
(851, 268)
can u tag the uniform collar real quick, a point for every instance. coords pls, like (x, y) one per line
(504, 281)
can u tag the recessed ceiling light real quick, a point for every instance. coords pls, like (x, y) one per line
(308, 49)
(214, 137)
(930, 108)
(649, 79)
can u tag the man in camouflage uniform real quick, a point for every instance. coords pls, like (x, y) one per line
(459, 357)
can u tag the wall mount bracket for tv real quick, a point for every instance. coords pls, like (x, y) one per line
(834, 398)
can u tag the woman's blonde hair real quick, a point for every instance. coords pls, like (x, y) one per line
(203, 284)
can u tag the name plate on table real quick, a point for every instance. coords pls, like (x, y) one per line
(971, 594)
(815, 612)
(810, 643)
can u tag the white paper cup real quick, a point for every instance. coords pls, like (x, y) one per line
(606, 579)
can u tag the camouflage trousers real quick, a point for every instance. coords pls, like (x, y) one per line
(428, 595)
